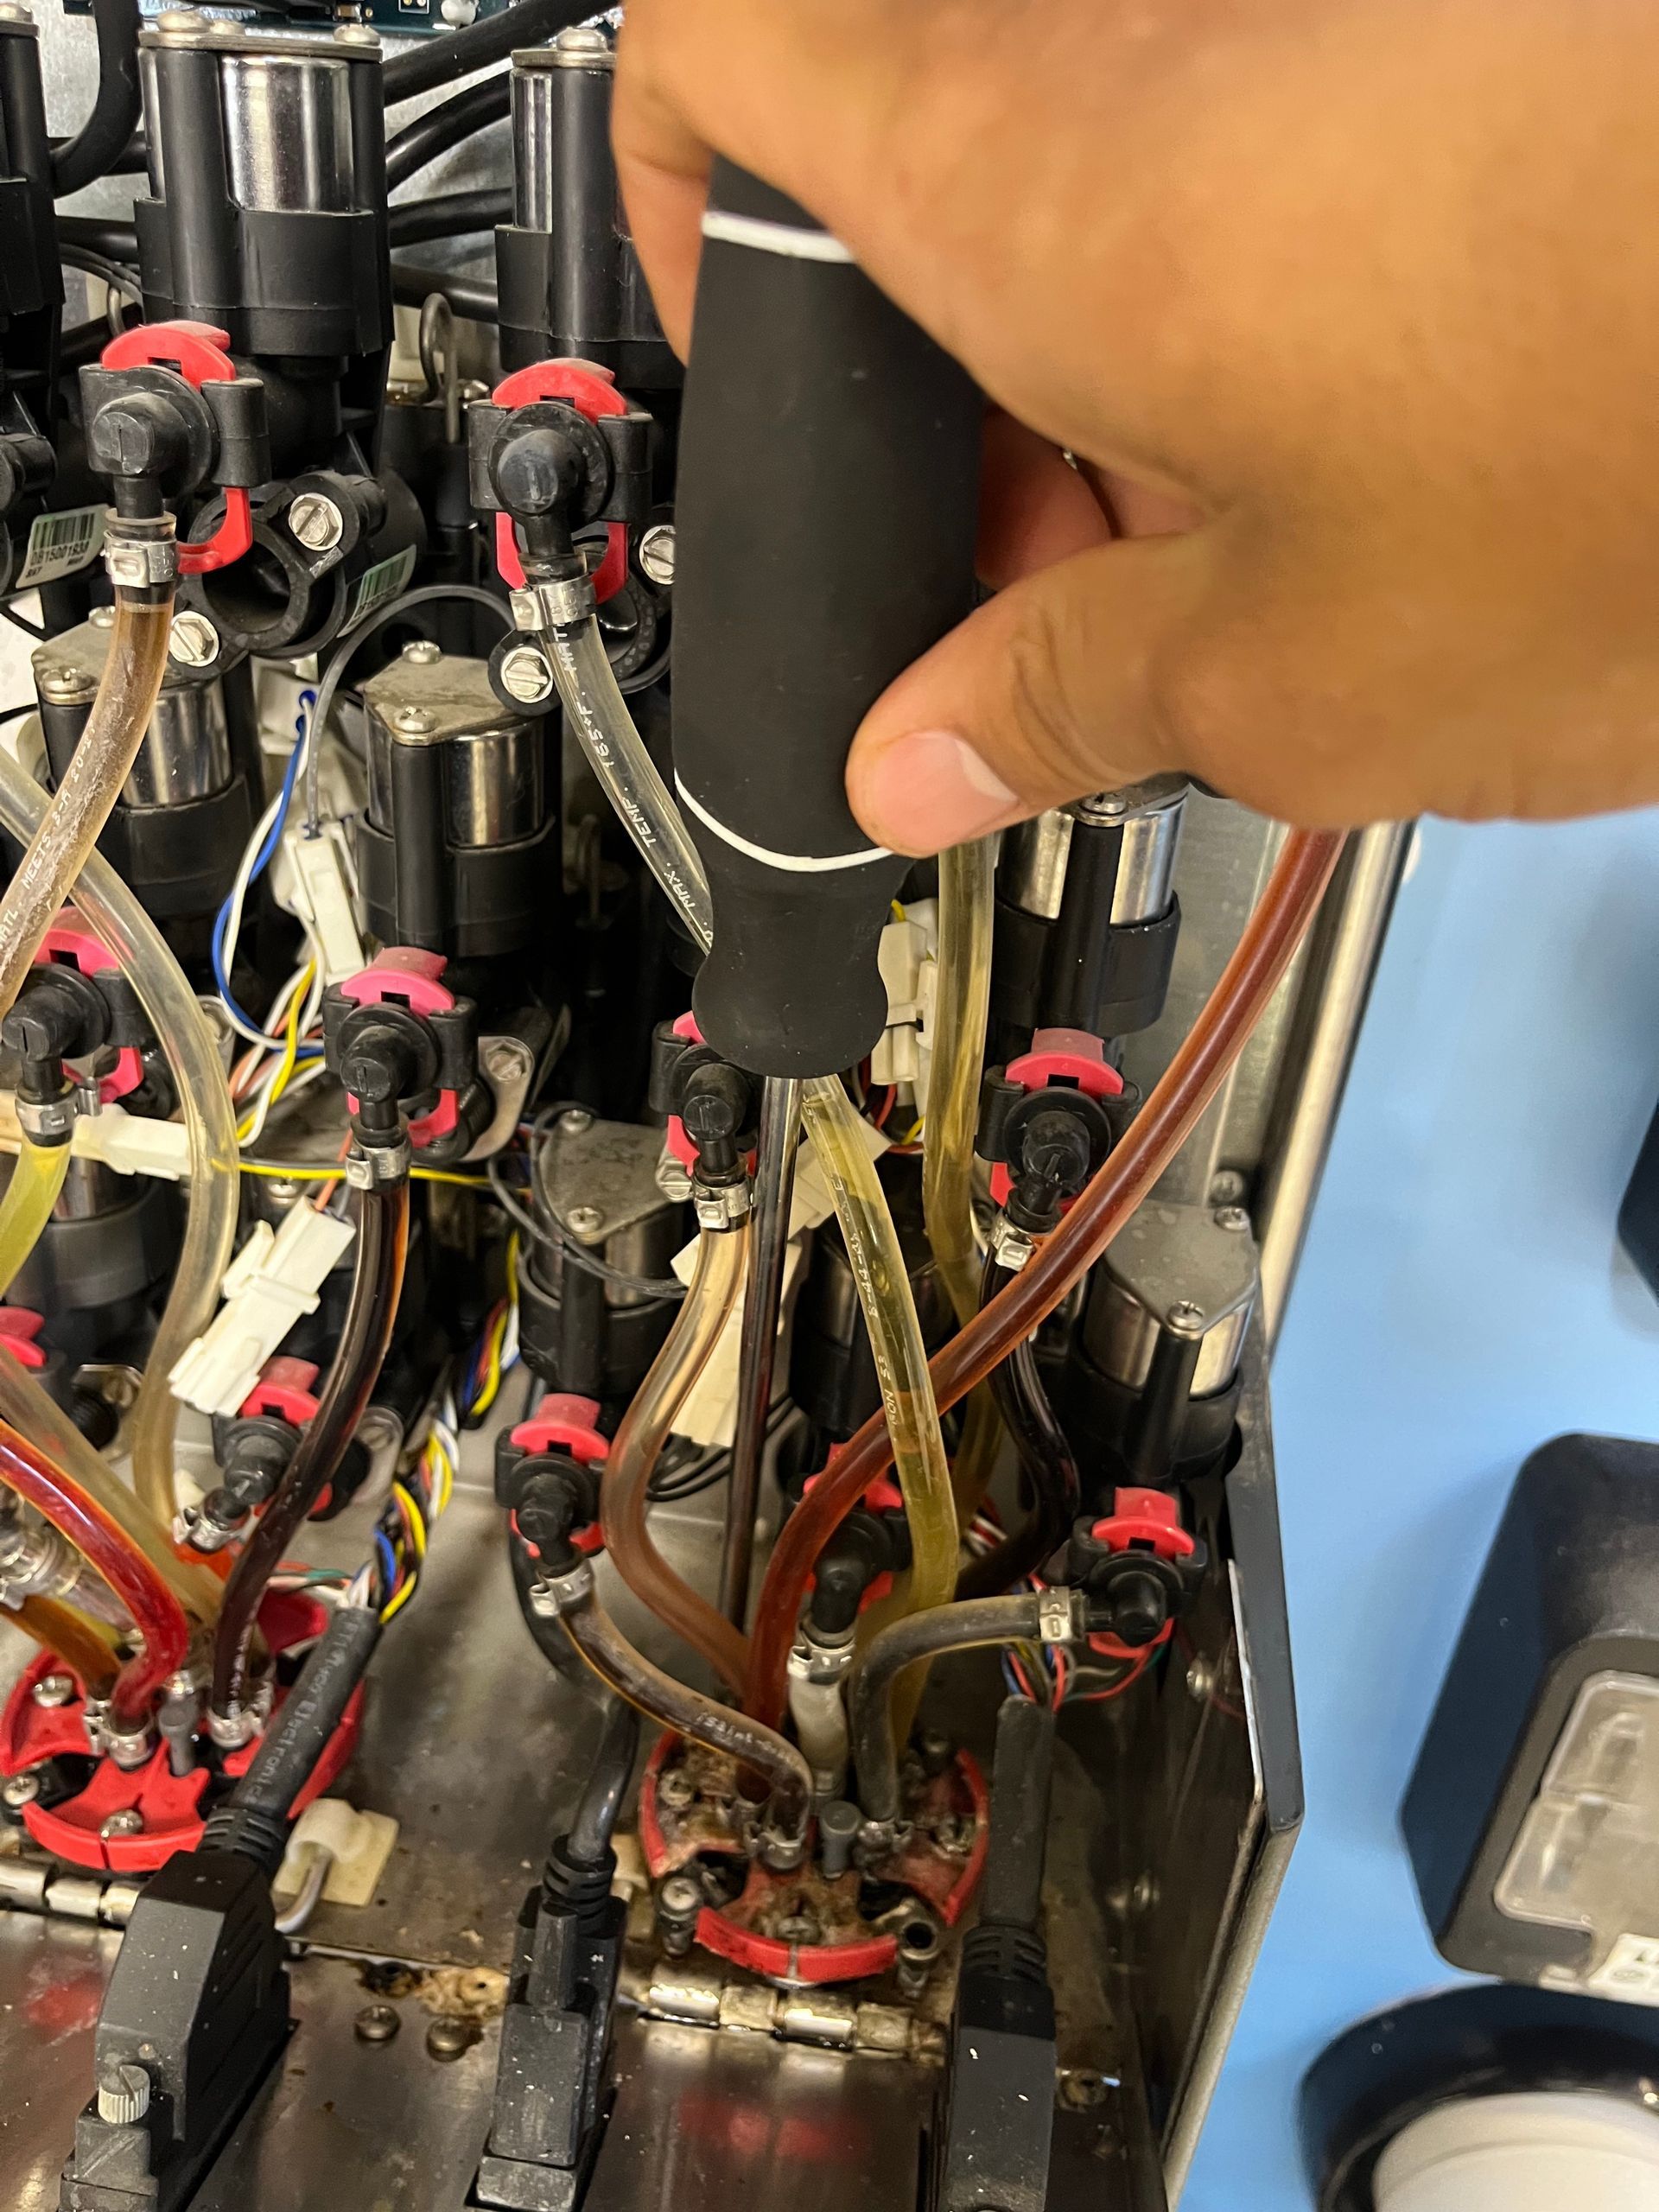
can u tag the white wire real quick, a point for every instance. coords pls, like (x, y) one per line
(310, 1071)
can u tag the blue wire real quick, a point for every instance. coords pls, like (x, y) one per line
(273, 838)
(388, 1564)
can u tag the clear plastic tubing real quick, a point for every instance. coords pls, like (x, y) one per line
(588, 691)
(198, 1072)
(1217, 1037)
(966, 914)
(55, 1436)
(109, 745)
(155, 1611)
(27, 1207)
(87, 1646)
(716, 1289)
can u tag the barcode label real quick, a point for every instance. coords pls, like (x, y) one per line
(375, 586)
(59, 544)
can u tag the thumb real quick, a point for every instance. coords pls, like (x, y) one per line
(1046, 693)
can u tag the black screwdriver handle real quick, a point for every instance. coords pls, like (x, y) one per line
(828, 479)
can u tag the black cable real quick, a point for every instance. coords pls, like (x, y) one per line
(99, 235)
(16, 714)
(461, 116)
(440, 60)
(254, 1821)
(122, 282)
(473, 296)
(451, 215)
(1011, 1888)
(549, 1638)
(104, 137)
(594, 1821)
(21, 622)
(1046, 1458)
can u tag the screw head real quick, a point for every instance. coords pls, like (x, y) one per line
(1232, 1219)
(526, 676)
(315, 522)
(502, 1057)
(576, 1123)
(131, 1821)
(192, 641)
(582, 43)
(656, 555)
(64, 686)
(1200, 1681)
(1228, 1188)
(377, 2023)
(586, 1221)
(357, 34)
(13, 12)
(123, 2093)
(1185, 1319)
(181, 22)
(676, 1789)
(18, 1790)
(680, 1898)
(450, 2038)
(414, 721)
(1104, 806)
(421, 653)
(459, 14)
(54, 1690)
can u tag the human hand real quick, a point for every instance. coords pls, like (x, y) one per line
(1350, 304)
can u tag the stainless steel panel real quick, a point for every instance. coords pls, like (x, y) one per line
(707, 2118)
(288, 131)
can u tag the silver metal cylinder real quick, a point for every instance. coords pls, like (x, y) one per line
(1031, 867)
(285, 106)
(494, 776)
(288, 128)
(1185, 1261)
(540, 114)
(1150, 816)
(186, 754)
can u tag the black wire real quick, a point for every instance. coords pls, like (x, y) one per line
(21, 622)
(116, 110)
(441, 61)
(16, 714)
(451, 215)
(1046, 1457)
(411, 287)
(461, 116)
(99, 235)
(120, 279)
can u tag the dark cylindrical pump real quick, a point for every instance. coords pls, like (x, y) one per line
(828, 497)
(567, 278)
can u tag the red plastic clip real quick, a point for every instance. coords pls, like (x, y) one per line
(194, 351)
(19, 1328)
(1148, 1518)
(68, 943)
(563, 1422)
(1063, 1056)
(284, 1388)
(404, 976)
(592, 391)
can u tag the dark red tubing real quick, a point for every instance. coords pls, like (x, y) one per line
(156, 1613)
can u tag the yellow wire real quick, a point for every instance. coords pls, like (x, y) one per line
(402, 1598)
(298, 1174)
(416, 1526)
(290, 1048)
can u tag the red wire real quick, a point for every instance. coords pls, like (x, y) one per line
(1101, 1697)
(156, 1613)
(881, 1119)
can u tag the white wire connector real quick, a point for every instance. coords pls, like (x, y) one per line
(909, 960)
(273, 1279)
(315, 878)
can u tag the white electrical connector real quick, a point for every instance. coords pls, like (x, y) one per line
(272, 1281)
(909, 959)
(315, 878)
(127, 1144)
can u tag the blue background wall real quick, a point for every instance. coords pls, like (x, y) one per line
(1462, 1300)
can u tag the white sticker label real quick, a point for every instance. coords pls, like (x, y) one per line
(1631, 1970)
(375, 586)
(59, 544)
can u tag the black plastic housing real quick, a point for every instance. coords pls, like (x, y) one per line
(825, 519)
(1570, 1590)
